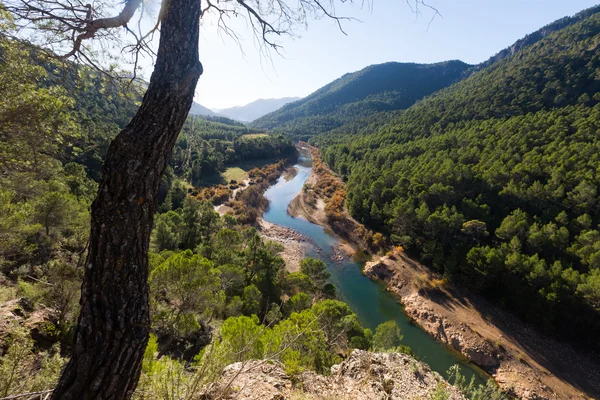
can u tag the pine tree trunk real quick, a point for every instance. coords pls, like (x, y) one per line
(114, 323)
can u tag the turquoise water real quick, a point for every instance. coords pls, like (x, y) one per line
(367, 298)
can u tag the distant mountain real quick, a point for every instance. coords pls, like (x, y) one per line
(199, 109)
(376, 88)
(256, 109)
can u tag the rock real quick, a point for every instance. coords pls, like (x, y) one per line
(26, 304)
(378, 270)
(363, 375)
(460, 337)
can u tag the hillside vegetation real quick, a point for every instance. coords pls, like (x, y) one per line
(205, 147)
(377, 88)
(494, 180)
(219, 293)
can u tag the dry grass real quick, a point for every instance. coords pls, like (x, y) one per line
(235, 174)
(254, 135)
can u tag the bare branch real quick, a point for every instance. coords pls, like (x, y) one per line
(89, 31)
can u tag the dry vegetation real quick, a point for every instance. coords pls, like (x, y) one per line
(326, 185)
(248, 204)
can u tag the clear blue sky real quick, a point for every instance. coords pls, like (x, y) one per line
(470, 30)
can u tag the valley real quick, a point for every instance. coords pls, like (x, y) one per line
(520, 360)
(423, 231)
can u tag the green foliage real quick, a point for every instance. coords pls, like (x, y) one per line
(53, 210)
(387, 336)
(43, 203)
(493, 181)
(302, 341)
(34, 120)
(489, 391)
(299, 302)
(164, 378)
(242, 338)
(205, 148)
(22, 370)
(440, 392)
(316, 270)
(190, 282)
(185, 228)
(373, 90)
(251, 300)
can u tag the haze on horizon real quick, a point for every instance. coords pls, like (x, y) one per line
(468, 30)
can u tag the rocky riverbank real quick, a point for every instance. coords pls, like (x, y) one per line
(521, 360)
(295, 244)
(362, 376)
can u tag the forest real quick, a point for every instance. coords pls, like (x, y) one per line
(487, 174)
(374, 89)
(219, 293)
(494, 181)
(205, 147)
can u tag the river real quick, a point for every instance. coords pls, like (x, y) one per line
(367, 298)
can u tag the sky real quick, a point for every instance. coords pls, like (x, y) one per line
(468, 30)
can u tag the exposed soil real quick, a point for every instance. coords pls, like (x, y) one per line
(290, 173)
(306, 205)
(295, 245)
(222, 209)
(519, 358)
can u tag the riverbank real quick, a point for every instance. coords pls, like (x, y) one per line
(520, 359)
(313, 205)
(295, 244)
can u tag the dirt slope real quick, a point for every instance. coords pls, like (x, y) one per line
(518, 357)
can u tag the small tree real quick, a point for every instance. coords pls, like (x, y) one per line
(187, 290)
(387, 336)
(54, 209)
(316, 270)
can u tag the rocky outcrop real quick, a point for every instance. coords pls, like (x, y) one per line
(523, 362)
(378, 270)
(361, 376)
(40, 321)
(460, 337)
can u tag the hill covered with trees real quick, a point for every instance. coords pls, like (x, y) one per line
(208, 274)
(494, 182)
(377, 88)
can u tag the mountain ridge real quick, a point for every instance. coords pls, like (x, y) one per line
(515, 143)
(255, 109)
(199, 110)
(375, 88)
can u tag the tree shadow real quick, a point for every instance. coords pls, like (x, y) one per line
(569, 363)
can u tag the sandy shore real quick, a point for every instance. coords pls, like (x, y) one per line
(295, 244)
(290, 173)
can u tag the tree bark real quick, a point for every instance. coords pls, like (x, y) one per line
(114, 323)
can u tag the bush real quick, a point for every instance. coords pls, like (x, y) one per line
(387, 336)
(22, 370)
